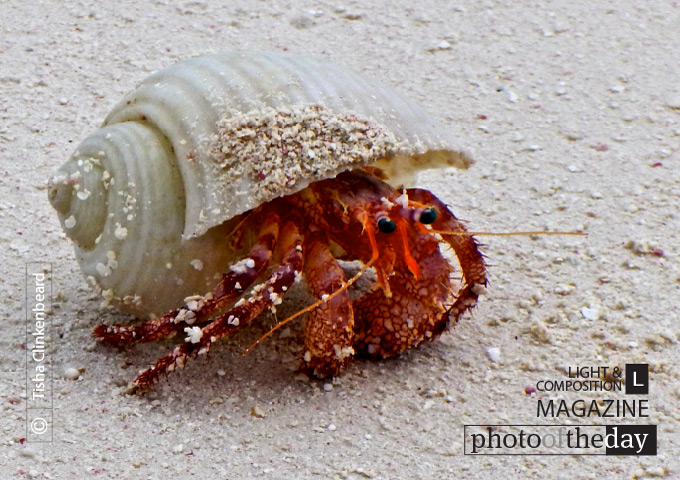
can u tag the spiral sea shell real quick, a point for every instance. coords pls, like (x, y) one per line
(149, 198)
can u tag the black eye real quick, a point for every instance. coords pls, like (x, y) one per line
(428, 216)
(386, 225)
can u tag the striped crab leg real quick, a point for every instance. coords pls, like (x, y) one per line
(268, 294)
(198, 309)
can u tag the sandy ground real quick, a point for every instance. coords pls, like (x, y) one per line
(572, 111)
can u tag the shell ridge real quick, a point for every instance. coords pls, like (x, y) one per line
(309, 89)
(287, 87)
(97, 263)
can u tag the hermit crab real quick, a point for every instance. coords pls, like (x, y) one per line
(220, 181)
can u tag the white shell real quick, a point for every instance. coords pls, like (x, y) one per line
(148, 197)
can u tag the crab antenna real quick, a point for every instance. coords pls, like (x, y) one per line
(506, 234)
(314, 305)
(410, 261)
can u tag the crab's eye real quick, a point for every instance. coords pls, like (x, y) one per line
(385, 225)
(428, 216)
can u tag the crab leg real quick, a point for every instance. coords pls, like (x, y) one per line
(199, 340)
(329, 327)
(466, 249)
(199, 309)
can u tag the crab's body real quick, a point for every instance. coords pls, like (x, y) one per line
(270, 167)
(355, 216)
